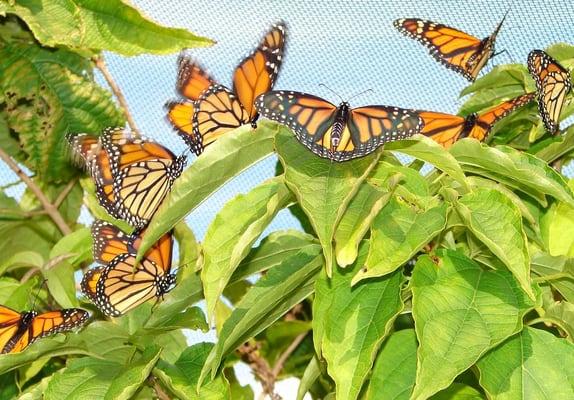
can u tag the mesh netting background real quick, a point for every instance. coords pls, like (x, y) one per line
(349, 46)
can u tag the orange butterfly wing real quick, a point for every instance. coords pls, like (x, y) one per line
(90, 282)
(444, 129)
(95, 159)
(552, 85)
(257, 73)
(484, 122)
(31, 326)
(9, 323)
(455, 49)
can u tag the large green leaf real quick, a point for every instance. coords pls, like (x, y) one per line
(356, 221)
(272, 296)
(497, 223)
(425, 149)
(558, 271)
(99, 25)
(532, 365)
(183, 377)
(48, 92)
(126, 384)
(518, 167)
(460, 312)
(558, 147)
(226, 158)
(395, 368)
(232, 233)
(355, 320)
(87, 378)
(557, 228)
(398, 232)
(323, 187)
(61, 282)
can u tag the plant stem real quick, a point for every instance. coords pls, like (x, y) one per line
(64, 193)
(161, 394)
(101, 65)
(285, 355)
(50, 208)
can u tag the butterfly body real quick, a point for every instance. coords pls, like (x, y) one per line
(18, 330)
(338, 133)
(453, 48)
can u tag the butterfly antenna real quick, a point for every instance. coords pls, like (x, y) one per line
(332, 91)
(359, 94)
(38, 293)
(502, 21)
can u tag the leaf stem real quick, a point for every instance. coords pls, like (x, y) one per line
(50, 208)
(101, 65)
(64, 193)
(553, 277)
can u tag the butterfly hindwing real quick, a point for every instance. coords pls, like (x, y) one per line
(552, 85)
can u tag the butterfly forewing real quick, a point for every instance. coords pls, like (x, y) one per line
(217, 112)
(257, 72)
(455, 49)
(552, 86)
(192, 79)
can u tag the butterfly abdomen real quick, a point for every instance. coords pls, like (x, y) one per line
(341, 119)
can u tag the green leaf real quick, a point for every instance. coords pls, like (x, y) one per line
(458, 391)
(272, 296)
(49, 92)
(559, 147)
(460, 312)
(531, 365)
(559, 271)
(17, 295)
(100, 25)
(508, 79)
(395, 368)
(232, 233)
(311, 374)
(107, 340)
(27, 259)
(356, 221)
(77, 244)
(272, 251)
(397, 234)
(516, 166)
(557, 228)
(226, 158)
(323, 188)
(87, 377)
(558, 313)
(61, 283)
(497, 222)
(183, 377)
(425, 149)
(188, 247)
(355, 320)
(127, 383)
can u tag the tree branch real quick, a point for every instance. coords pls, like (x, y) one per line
(64, 193)
(161, 394)
(51, 210)
(101, 65)
(285, 355)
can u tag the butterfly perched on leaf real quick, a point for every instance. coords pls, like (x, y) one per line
(18, 330)
(455, 49)
(116, 286)
(338, 133)
(447, 128)
(552, 85)
(210, 109)
(132, 175)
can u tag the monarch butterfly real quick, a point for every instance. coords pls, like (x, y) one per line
(132, 175)
(338, 133)
(212, 109)
(118, 287)
(447, 129)
(18, 330)
(455, 49)
(552, 86)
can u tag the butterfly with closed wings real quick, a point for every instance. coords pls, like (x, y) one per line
(212, 109)
(552, 85)
(19, 330)
(455, 49)
(118, 286)
(132, 175)
(338, 133)
(447, 128)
